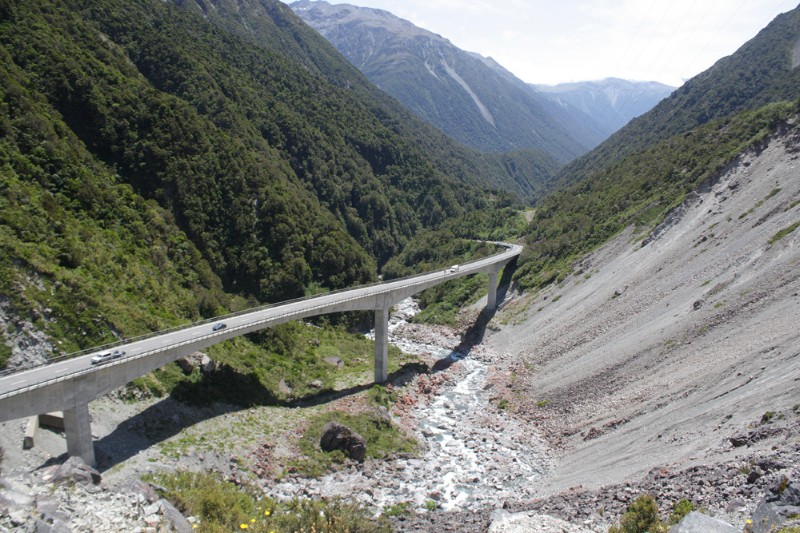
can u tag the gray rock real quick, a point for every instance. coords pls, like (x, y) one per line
(75, 470)
(334, 361)
(174, 518)
(765, 518)
(12, 498)
(138, 487)
(505, 522)
(207, 365)
(783, 501)
(338, 437)
(47, 508)
(56, 526)
(735, 505)
(695, 522)
(186, 364)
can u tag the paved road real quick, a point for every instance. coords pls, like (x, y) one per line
(245, 322)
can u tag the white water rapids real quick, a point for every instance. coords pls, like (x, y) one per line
(475, 454)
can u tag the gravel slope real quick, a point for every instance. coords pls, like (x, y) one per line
(655, 354)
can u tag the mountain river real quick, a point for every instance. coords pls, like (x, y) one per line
(474, 453)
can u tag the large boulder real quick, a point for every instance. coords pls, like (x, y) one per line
(695, 522)
(782, 502)
(335, 436)
(75, 470)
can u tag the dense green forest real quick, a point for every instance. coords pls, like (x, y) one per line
(156, 168)
(159, 164)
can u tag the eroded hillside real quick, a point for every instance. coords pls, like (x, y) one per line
(662, 346)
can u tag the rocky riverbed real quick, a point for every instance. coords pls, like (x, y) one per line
(475, 453)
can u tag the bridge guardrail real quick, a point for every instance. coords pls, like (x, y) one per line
(74, 355)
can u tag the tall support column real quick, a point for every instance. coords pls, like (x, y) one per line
(381, 345)
(491, 299)
(78, 428)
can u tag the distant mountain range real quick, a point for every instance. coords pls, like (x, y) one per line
(762, 71)
(461, 93)
(611, 102)
(473, 98)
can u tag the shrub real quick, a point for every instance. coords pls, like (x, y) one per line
(679, 510)
(641, 517)
(222, 507)
(398, 509)
(382, 396)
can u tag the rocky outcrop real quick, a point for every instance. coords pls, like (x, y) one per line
(74, 470)
(781, 503)
(696, 522)
(335, 436)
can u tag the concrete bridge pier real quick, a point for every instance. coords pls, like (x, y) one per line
(381, 345)
(77, 426)
(491, 298)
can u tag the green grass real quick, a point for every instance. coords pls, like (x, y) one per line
(398, 509)
(254, 367)
(221, 506)
(443, 303)
(384, 440)
(784, 232)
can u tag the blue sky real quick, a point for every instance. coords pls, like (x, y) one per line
(546, 41)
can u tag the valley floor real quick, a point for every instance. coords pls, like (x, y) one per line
(669, 366)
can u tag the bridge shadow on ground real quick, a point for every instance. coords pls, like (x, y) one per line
(475, 333)
(192, 403)
(230, 392)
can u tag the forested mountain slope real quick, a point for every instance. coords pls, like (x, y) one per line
(153, 165)
(466, 96)
(763, 70)
(272, 25)
(639, 190)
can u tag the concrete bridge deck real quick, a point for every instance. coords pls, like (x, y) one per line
(69, 385)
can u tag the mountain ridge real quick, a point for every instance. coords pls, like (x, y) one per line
(611, 102)
(761, 71)
(455, 90)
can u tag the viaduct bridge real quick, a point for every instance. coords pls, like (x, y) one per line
(69, 385)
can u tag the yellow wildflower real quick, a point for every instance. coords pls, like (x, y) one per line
(243, 526)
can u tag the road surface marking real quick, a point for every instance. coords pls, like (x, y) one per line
(21, 381)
